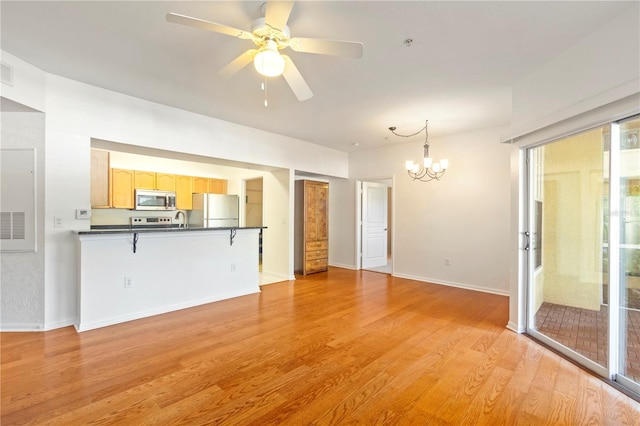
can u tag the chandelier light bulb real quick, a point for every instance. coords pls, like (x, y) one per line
(428, 170)
(268, 61)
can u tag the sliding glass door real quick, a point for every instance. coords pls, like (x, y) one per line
(584, 248)
(628, 160)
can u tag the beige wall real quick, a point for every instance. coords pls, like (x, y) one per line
(572, 221)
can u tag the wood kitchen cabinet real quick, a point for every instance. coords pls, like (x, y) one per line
(144, 180)
(122, 181)
(165, 182)
(311, 226)
(118, 191)
(153, 180)
(100, 186)
(184, 191)
(211, 185)
(217, 186)
(200, 185)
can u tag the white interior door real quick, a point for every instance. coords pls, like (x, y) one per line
(374, 224)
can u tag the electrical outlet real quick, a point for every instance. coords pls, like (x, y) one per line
(233, 267)
(447, 261)
(128, 282)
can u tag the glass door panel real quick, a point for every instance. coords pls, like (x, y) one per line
(568, 286)
(629, 170)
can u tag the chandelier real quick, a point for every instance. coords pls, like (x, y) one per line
(428, 170)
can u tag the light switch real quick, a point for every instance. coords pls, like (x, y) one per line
(83, 214)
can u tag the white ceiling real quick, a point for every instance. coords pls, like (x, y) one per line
(457, 74)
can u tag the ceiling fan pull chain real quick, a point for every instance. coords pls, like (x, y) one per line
(264, 88)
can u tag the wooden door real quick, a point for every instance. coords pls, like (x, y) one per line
(144, 180)
(100, 179)
(200, 185)
(322, 211)
(165, 182)
(316, 227)
(217, 186)
(122, 188)
(184, 190)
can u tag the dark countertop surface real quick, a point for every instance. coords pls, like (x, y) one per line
(123, 229)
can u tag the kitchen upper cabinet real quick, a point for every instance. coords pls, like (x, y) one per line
(153, 180)
(184, 191)
(165, 182)
(217, 186)
(122, 194)
(100, 179)
(115, 187)
(144, 180)
(200, 185)
(212, 185)
(311, 226)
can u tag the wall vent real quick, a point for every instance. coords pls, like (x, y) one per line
(6, 73)
(12, 225)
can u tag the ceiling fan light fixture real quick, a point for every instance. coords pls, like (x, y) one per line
(268, 61)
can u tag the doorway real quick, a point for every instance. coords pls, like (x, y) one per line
(375, 230)
(253, 208)
(584, 249)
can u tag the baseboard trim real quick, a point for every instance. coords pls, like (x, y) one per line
(59, 324)
(343, 266)
(267, 278)
(514, 327)
(21, 327)
(454, 284)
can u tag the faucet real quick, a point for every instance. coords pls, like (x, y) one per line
(184, 219)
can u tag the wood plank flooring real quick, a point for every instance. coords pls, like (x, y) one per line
(341, 347)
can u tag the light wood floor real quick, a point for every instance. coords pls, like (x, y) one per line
(342, 347)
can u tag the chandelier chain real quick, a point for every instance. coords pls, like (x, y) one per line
(428, 170)
(393, 130)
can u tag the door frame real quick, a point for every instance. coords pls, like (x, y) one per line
(526, 272)
(390, 180)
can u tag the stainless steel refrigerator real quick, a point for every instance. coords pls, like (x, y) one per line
(214, 211)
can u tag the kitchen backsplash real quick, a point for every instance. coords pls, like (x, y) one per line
(123, 216)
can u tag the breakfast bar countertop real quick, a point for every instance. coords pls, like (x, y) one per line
(123, 229)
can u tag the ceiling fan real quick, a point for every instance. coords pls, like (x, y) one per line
(270, 35)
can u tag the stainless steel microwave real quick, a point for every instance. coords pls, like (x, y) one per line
(155, 200)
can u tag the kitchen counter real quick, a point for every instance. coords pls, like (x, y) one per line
(128, 273)
(120, 229)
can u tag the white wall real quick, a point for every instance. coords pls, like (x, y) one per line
(28, 86)
(82, 109)
(22, 278)
(464, 216)
(598, 70)
(277, 242)
(342, 222)
(168, 271)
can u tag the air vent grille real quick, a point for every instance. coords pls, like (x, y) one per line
(6, 74)
(12, 225)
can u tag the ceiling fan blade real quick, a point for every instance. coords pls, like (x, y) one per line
(295, 80)
(277, 13)
(238, 63)
(349, 49)
(176, 18)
